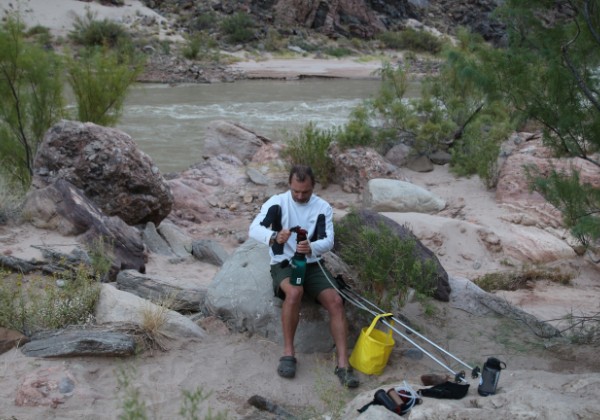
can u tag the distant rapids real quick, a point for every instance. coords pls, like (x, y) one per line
(168, 122)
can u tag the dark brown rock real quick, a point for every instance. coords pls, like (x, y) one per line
(64, 208)
(10, 338)
(108, 167)
(355, 167)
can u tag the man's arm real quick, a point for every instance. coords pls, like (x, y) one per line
(266, 224)
(322, 239)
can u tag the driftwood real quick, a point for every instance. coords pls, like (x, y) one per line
(54, 262)
(161, 291)
(80, 342)
(18, 264)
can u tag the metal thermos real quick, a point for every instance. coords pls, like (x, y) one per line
(490, 376)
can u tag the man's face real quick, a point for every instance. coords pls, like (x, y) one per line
(301, 190)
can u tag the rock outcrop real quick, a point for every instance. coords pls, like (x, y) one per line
(106, 164)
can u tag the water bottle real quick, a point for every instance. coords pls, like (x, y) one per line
(298, 264)
(298, 261)
(490, 376)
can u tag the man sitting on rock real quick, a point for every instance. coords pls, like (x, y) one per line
(299, 207)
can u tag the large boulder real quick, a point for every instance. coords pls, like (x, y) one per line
(106, 164)
(242, 294)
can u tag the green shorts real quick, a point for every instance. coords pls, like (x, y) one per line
(315, 281)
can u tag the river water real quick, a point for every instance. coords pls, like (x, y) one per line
(168, 122)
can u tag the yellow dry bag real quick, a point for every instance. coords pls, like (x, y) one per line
(372, 350)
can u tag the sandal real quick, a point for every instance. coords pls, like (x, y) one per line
(287, 367)
(347, 377)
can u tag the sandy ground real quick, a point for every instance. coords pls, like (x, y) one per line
(234, 367)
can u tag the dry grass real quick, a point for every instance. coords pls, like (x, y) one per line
(522, 279)
(154, 320)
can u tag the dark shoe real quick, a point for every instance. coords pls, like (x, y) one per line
(287, 367)
(347, 377)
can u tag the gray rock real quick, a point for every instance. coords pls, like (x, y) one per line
(116, 306)
(420, 164)
(82, 342)
(440, 157)
(209, 251)
(399, 196)
(257, 177)
(242, 294)
(476, 301)
(224, 137)
(155, 242)
(178, 240)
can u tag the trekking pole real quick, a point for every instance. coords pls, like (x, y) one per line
(346, 291)
(421, 336)
(458, 376)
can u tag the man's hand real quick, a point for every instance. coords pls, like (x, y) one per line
(282, 236)
(304, 248)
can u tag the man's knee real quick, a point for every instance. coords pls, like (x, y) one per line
(332, 301)
(293, 294)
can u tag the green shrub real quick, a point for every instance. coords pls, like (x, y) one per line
(201, 46)
(385, 264)
(357, 132)
(100, 80)
(310, 148)
(90, 32)
(205, 21)
(40, 303)
(412, 40)
(30, 99)
(238, 28)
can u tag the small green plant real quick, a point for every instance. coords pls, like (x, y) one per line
(99, 252)
(238, 28)
(521, 279)
(309, 147)
(333, 397)
(386, 264)
(191, 406)
(37, 303)
(132, 405)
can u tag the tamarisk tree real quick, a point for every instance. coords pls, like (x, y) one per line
(550, 73)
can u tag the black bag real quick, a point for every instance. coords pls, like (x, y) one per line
(398, 400)
(449, 390)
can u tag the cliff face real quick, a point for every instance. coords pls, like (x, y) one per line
(356, 18)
